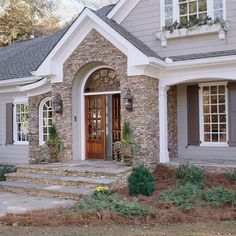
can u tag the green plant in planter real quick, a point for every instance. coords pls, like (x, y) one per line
(54, 145)
(126, 150)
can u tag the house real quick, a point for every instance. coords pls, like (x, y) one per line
(177, 59)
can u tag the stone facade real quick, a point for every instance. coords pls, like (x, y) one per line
(143, 118)
(35, 151)
(94, 48)
(172, 122)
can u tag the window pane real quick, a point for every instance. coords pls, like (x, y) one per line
(218, 4)
(192, 7)
(206, 109)
(214, 99)
(168, 11)
(214, 137)
(202, 5)
(183, 9)
(223, 138)
(214, 109)
(207, 137)
(214, 113)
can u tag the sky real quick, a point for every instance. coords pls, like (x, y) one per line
(68, 9)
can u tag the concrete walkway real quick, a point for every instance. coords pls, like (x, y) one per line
(22, 203)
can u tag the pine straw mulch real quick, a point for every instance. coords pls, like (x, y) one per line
(165, 214)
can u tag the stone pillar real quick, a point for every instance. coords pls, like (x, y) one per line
(163, 124)
(35, 150)
(143, 118)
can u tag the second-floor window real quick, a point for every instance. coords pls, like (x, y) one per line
(184, 11)
(190, 10)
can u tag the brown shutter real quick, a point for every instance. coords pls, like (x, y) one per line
(193, 115)
(9, 123)
(232, 113)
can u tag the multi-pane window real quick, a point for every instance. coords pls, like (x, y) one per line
(214, 114)
(47, 119)
(21, 123)
(218, 9)
(185, 11)
(190, 10)
(168, 12)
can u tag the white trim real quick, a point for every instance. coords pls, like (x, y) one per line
(33, 85)
(41, 142)
(82, 111)
(201, 118)
(53, 64)
(16, 81)
(102, 93)
(122, 10)
(163, 124)
(18, 100)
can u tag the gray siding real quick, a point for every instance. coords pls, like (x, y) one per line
(144, 22)
(10, 154)
(196, 152)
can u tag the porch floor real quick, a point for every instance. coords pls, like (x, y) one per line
(210, 164)
(94, 166)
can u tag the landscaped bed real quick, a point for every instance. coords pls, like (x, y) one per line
(215, 201)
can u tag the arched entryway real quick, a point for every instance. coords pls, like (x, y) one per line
(100, 117)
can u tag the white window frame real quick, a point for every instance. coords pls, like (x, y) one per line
(176, 15)
(41, 142)
(201, 117)
(18, 101)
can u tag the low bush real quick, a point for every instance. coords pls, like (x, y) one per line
(184, 196)
(113, 203)
(187, 173)
(190, 196)
(231, 176)
(141, 181)
(220, 196)
(5, 170)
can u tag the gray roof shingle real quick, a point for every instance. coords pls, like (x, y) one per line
(19, 59)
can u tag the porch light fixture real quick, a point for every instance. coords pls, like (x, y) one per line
(128, 99)
(57, 104)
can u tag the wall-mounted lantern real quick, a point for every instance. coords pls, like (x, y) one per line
(57, 104)
(128, 99)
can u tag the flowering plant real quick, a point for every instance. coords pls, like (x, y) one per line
(101, 190)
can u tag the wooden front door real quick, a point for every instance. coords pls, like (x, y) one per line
(95, 114)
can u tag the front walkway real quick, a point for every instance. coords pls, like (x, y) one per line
(21, 203)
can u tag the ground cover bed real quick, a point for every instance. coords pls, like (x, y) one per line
(214, 200)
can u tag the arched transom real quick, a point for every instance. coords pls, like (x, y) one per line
(102, 80)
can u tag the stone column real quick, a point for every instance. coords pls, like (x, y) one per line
(143, 119)
(163, 124)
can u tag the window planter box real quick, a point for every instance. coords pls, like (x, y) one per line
(164, 36)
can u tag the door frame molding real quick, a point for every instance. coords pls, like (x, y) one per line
(82, 107)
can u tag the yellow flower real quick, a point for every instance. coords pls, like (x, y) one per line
(101, 189)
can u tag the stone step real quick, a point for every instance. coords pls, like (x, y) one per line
(74, 171)
(56, 191)
(78, 181)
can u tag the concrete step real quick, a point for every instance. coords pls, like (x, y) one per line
(78, 181)
(74, 171)
(56, 191)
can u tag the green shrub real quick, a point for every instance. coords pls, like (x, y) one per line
(113, 203)
(187, 173)
(5, 170)
(141, 181)
(189, 196)
(231, 176)
(220, 196)
(184, 196)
